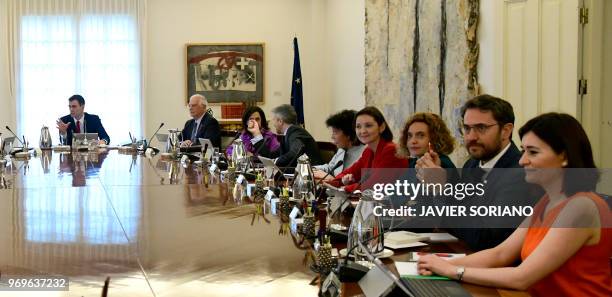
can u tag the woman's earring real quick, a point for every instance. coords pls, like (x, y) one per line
(564, 163)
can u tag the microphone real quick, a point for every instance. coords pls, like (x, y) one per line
(341, 235)
(347, 198)
(297, 154)
(254, 159)
(353, 272)
(281, 172)
(330, 172)
(151, 139)
(338, 164)
(249, 176)
(9, 129)
(265, 142)
(396, 288)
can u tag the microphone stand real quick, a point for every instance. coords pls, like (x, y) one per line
(353, 272)
(9, 129)
(148, 144)
(338, 164)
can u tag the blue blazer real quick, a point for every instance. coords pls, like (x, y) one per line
(92, 125)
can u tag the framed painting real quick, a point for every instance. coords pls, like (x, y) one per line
(226, 73)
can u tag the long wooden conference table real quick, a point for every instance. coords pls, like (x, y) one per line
(156, 228)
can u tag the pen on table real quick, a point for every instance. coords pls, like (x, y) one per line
(437, 254)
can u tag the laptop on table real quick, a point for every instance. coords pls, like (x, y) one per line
(79, 139)
(380, 281)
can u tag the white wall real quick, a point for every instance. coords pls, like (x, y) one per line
(489, 60)
(346, 53)
(172, 24)
(606, 92)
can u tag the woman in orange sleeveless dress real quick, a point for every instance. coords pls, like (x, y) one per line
(566, 245)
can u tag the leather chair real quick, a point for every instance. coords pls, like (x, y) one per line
(327, 150)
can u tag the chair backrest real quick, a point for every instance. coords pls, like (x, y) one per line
(327, 149)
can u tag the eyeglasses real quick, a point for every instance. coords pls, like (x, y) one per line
(478, 128)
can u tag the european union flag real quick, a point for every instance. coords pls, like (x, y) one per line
(297, 98)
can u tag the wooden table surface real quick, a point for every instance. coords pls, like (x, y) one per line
(157, 228)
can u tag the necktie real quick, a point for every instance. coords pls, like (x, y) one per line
(78, 127)
(194, 133)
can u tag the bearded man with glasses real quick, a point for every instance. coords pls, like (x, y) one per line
(487, 135)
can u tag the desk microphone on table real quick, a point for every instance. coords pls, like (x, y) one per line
(351, 271)
(151, 139)
(340, 163)
(9, 129)
(297, 154)
(265, 141)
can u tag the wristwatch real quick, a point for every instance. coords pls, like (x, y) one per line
(460, 272)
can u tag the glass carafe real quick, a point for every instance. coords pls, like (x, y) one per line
(366, 227)
(303, 182)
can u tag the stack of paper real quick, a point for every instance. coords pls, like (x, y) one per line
(403, 239)
(409, 270)
(438, 237)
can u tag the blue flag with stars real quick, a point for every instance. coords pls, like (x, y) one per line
(297, 98)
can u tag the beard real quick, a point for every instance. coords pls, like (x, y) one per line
(486, 152)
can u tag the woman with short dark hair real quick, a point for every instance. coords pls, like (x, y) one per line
(344, 137)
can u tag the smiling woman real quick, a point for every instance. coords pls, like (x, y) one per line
(425, 132)
(565, 250)
(380, 152)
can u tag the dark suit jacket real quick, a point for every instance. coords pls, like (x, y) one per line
(209, 129)
(92, 125)
(502, 187)
(296, 142)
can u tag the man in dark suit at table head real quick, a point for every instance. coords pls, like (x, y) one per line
(296, 140)
(78, 121)
(202, 124)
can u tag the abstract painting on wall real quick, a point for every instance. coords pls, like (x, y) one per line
(226, 73)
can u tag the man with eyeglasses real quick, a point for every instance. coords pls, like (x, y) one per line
(78, 121)
(487, 135)
(201, 125)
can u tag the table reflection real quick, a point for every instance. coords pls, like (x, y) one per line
(156, 227)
